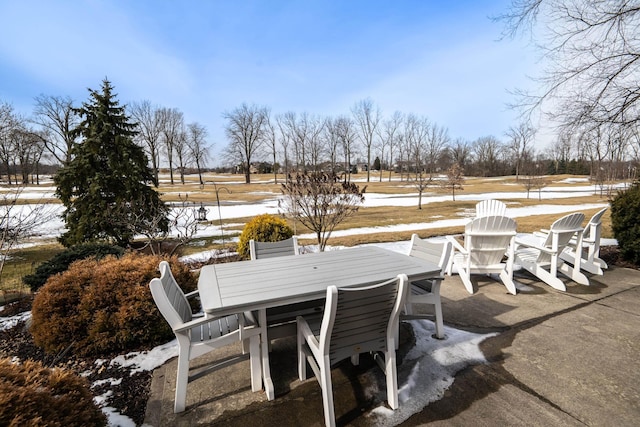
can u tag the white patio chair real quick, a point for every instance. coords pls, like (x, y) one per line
(427, 291)
(198, 336)
(590, 252)
(486, 241)
(543, 258)
(281, 320)
(490, 207)
(355, 320)
(259, 250)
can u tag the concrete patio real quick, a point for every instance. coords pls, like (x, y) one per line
(558, 358)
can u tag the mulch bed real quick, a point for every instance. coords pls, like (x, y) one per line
(131, 395)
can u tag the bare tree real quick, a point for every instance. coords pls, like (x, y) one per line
(271, 138)
(183, 226)
(19, 222)
(57, 116)
(172, 123)
(533, 177)
(181, 149)
(245, 130)
(460, 152)
(332, 139)
(437, 142)
(197, 146)
(149, 119)
(454, 180)
(593, 51)
(285, 139)
(367, 116)
(388, 137)
(316, 144)
(9, 122)
(417, 134)
(28, 147)
(487, 150)
(521, 138)
(347, 136)
(320, 201)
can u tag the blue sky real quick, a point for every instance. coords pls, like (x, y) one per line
(439, 59)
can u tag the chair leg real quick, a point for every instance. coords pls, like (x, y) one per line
(465, 276)
(327, 394)
(507, 280)
(392, 379)
(182, 378)
(439, 322)
(302, 359)
(545, 276)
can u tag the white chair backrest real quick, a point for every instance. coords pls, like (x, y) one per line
(169, 298)
(490, 208)
(592, 230)
(435, 252)
(359, 320)
(560, 233)
(285, 247)
(488, 238)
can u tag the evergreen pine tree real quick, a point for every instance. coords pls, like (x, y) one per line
(105, 187)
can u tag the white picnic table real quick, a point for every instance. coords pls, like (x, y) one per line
(237, 287)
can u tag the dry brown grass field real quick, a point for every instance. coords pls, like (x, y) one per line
(231, 190)
(263, 187)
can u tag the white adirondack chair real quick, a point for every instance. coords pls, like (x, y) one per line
(260, 250)
(590, 252)
(490, 207)
(355, 320)
(543, 258)
(486, 241)
(427, 291)
(198, 336)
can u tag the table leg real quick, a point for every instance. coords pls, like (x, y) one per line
(264, 348)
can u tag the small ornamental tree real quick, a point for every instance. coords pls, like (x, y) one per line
(320, 201)
(454, 180)
(106, 173)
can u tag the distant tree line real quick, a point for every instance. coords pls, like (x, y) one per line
(33, 145)
(415, 147)
(258, 141)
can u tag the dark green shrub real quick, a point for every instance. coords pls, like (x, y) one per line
(625, 215)
(104, 307)
(61, 261)
(263, 228)
(33, 395)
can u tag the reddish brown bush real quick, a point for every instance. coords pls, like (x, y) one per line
(103, 307)
(32, 395)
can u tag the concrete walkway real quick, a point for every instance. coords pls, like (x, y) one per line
(558, 358)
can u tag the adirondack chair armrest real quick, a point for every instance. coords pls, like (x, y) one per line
(534, 246)
(456, 245)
